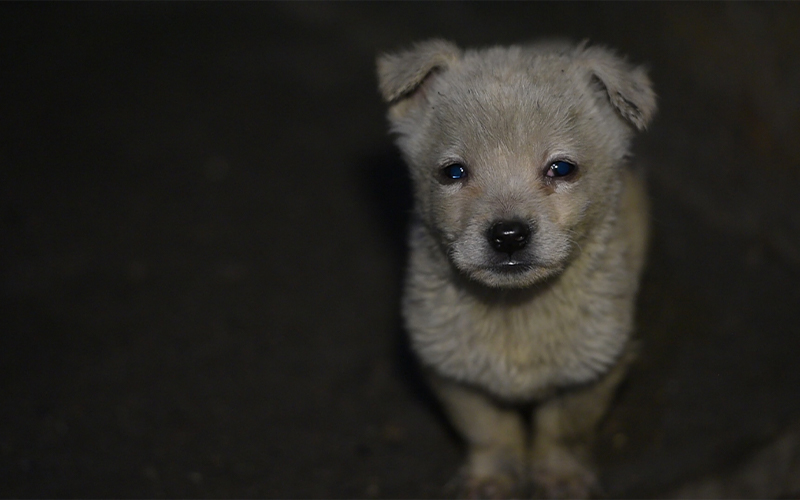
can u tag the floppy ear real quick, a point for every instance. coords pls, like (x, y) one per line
(401, 74)
(628, 88)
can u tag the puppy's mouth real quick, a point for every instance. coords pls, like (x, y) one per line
(502, 270)
(511, 266)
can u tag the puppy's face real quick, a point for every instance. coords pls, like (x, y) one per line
(515, 156)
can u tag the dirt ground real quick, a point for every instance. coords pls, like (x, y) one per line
(202, 221)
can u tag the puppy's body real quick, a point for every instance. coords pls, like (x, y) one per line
(528, 239)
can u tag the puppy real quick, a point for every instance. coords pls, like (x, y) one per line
(526, 246)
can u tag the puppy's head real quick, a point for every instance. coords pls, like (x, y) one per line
(515, 153)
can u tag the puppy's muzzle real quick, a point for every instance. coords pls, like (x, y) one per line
(509, 236)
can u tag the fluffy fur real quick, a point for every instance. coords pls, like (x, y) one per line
(549, 321)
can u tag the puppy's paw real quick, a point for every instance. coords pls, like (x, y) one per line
(495, 487)
(499, 484)
(562, 475)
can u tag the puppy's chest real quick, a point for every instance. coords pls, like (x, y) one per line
(521, 351)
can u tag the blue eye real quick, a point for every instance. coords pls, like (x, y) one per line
(560, 169)
(454, 172)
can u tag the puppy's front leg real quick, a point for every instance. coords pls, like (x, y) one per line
(495, 436)
(565, 428)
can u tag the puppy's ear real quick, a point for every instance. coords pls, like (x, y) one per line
(401, 75)
(628, 87)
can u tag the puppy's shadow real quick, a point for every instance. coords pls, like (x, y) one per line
(384, 180)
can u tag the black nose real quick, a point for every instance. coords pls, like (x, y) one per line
(509, 236)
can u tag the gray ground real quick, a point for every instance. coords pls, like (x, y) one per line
(202, 247)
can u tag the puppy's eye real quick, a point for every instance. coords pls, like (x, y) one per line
(454, 172)
(560, 169)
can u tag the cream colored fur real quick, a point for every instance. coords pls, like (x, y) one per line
(555, 330)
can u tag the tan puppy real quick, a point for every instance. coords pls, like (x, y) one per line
(526, 248)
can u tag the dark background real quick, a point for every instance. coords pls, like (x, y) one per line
(202, 246)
